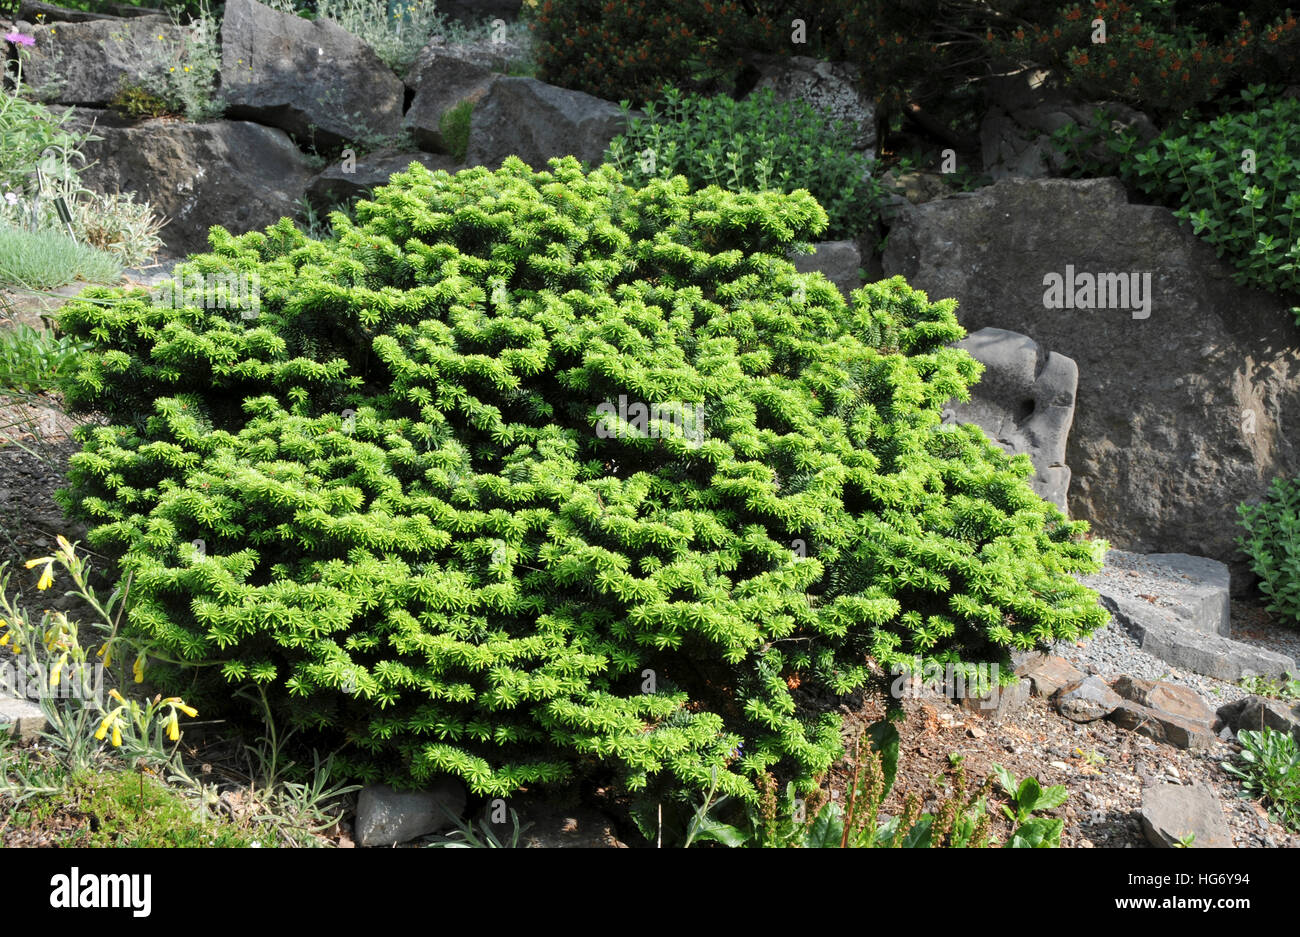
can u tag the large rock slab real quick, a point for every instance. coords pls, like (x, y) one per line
(441, 80)
(236, 174)
(1172, 812)
(87, 63)
(386, 817)
(1024, 401)
(311, 78)
(1176, 607)
(1184, 409)
(336, 184)
(831, 87)
(1188, 591)
(535, 121)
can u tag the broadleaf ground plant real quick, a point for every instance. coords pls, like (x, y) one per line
(529, 475)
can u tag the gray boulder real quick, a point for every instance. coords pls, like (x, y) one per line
(441, 80)
(828, 86)
(386, 817)
(1256, 713)
(1024, 402)
(335, 184)
(311, 78)
(236, 174)
(87, 63)
(535, 121)
(1172, 812)
(1026, 108)
(1185, 409)
(838, 261)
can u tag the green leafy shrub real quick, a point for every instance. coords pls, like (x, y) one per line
(404, 495)
(1232, 178)
(754, 144)
(1268, 767)
(34, 361)
(1272, 542)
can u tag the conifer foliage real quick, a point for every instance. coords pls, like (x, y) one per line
(407, 496)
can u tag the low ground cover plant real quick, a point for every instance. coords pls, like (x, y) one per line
(754, 144)
(1268, 767)
(524, 476)
(44, 260)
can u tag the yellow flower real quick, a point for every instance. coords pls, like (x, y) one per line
(65, 548)
(173, 727)
(187, 68)
(188, 710)
(103, 729)
(160, 35)
(172, 69)
(137, 669)
(117, 736)
(57, 670)
(116, 695)
(47, 578)
(5, 639)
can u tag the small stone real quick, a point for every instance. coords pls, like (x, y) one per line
(1047, 674)
(24, 719)
(1000, 702)
(1087, 700)
(1162, 726)
(386, 817)
(1170, 812)
(976, 732)
(1059, 765)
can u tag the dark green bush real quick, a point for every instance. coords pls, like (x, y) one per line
(754, 144)
(633, 49)
(423, 532)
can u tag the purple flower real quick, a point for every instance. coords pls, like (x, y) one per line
(20, 39)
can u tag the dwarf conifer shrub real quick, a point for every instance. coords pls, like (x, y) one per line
(528, 474)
